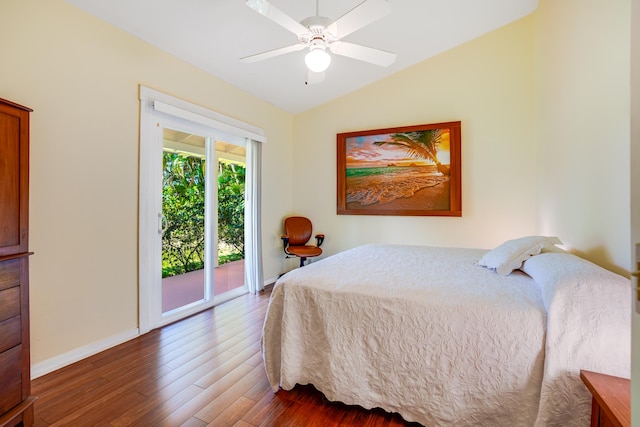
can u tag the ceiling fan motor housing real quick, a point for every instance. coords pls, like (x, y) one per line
(317, 35)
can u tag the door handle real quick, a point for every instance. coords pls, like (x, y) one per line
(162, 223)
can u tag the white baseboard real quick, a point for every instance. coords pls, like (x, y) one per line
(46, 366)
(270, 281)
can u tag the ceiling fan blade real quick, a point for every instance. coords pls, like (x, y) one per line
(363, 53)
(313, 78)
(265, 8)
(364, 14)
(272, 53)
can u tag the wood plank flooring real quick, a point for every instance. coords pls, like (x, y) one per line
(204, 370)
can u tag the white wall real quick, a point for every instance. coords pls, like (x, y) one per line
(582, 116)
(487, 85)
(81, 77)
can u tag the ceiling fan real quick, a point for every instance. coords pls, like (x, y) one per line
(317, 33)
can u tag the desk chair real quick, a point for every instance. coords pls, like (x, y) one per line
(297, 231)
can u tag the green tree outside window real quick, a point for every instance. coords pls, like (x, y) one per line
(183, 209)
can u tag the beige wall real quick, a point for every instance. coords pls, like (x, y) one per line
(486, 84)
(545, 136)
(81, 77)
(582, 87)
(635, 194)
(584, 130)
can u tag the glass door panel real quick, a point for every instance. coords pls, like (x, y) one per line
(231, 162)
(184, 191)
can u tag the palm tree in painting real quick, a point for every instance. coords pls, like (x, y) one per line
(421, 144)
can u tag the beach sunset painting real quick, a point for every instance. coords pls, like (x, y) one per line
(406, 171)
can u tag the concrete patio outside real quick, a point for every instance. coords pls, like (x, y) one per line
(184, 289)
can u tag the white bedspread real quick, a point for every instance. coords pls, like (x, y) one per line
(427, 333)
(589, 327)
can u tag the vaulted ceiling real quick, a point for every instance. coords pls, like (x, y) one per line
(214, 34)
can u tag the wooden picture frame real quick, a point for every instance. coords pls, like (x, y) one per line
(410, 170)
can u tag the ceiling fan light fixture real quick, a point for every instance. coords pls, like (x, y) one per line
(317, 59)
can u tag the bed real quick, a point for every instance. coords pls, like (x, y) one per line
(429, 333)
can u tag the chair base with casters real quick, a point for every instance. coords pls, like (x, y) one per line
(297, 234)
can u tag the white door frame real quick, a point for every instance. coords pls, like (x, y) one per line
(158, 110)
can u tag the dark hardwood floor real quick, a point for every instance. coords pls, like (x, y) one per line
(204, 370)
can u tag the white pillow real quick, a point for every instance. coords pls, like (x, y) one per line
(511, 254)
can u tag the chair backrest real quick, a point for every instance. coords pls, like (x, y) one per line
(299, 230)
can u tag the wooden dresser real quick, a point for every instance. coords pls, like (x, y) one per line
(16, 402)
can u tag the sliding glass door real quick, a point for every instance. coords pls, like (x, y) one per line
(202, 219)
(192, 211)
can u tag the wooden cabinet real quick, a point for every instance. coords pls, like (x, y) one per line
(16, 402)
(611, 402)
(14, 178)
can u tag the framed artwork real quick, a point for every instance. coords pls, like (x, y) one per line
(410, 170)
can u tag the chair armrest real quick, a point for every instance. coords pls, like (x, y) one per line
(285, 242)
(319, 239)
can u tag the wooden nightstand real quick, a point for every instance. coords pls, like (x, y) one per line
(611, 403)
